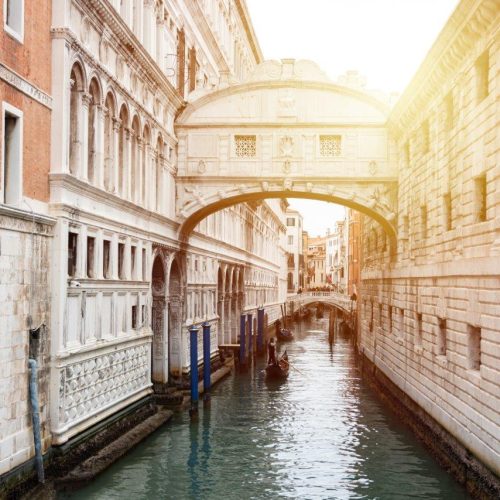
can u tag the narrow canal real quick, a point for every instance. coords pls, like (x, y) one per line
(323, 434)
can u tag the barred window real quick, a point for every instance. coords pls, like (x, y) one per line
(245, 146)
(330, 145)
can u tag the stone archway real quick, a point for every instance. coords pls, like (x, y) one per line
(220, 307)
(159, 355)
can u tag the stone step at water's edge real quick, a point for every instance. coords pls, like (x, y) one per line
(97, 463)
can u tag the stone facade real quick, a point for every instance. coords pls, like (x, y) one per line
(125, 287)
(295, 250)
(429, 315)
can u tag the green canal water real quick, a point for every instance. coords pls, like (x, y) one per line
(322, 434)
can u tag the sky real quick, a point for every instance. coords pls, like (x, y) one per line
(385, 40)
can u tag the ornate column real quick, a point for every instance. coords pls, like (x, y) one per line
(83, 134)
(114, 167)
(227, 319)
(220, 312)
(127, 156)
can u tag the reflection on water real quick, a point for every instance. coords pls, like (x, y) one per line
(321, 434)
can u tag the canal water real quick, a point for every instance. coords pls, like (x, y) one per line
(322, 434)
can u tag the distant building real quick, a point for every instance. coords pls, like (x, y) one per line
(354, 219)
(294, 249)
(316, 269)
(336, 256)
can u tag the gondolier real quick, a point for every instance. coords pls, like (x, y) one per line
(271, 351)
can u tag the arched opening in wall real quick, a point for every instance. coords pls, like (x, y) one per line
(75, 118)
(175, 316)
(94, 110)
(123, 151)
(135, 160)
(159, 355)
(109, 142)
(220, 307)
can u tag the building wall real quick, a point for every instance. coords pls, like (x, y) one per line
(294, 250)
(25, 232)
(430, 315)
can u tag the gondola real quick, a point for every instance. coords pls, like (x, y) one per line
(280, 369)
(284, 334)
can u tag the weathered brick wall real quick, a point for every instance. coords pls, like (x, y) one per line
(422, 311)
(24, 292)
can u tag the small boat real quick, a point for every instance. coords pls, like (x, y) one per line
(285, 334)
(280, 369)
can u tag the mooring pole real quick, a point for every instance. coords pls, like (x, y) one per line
(206, 363)
(250, 337)
(260, 330)
(243, 361)
(193, 347)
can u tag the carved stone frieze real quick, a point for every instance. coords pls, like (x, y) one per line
(87, 386)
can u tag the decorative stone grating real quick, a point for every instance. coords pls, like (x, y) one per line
(330, 145)
(245, 146)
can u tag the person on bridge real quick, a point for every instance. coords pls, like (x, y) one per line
(271, 351)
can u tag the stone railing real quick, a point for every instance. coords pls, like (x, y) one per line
(333, 298)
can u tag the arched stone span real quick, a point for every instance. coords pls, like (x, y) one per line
(286, 132)
(368, 200)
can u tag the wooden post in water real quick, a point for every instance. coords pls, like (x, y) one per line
(250, 336)
(243, 358)
(206, 364)
(193, 348)
(260, 330)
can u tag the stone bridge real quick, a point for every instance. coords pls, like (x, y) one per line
(286, 132)
(334, 299)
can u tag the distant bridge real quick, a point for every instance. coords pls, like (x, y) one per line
(335, 299)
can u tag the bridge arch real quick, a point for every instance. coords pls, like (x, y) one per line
(286, 132)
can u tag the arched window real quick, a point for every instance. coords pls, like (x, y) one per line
(75, 105)
(159, 172)
(94, 101)
(122, 150)
(109, 143)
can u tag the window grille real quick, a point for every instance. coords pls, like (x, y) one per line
(245, 146)
(330, 145)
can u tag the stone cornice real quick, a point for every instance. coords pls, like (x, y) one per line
(278, 84)
(72, 184)
(17, 213)
(470, 20)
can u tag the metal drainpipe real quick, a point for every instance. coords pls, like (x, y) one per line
(36, 420)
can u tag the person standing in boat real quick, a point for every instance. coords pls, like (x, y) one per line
(271, 351)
